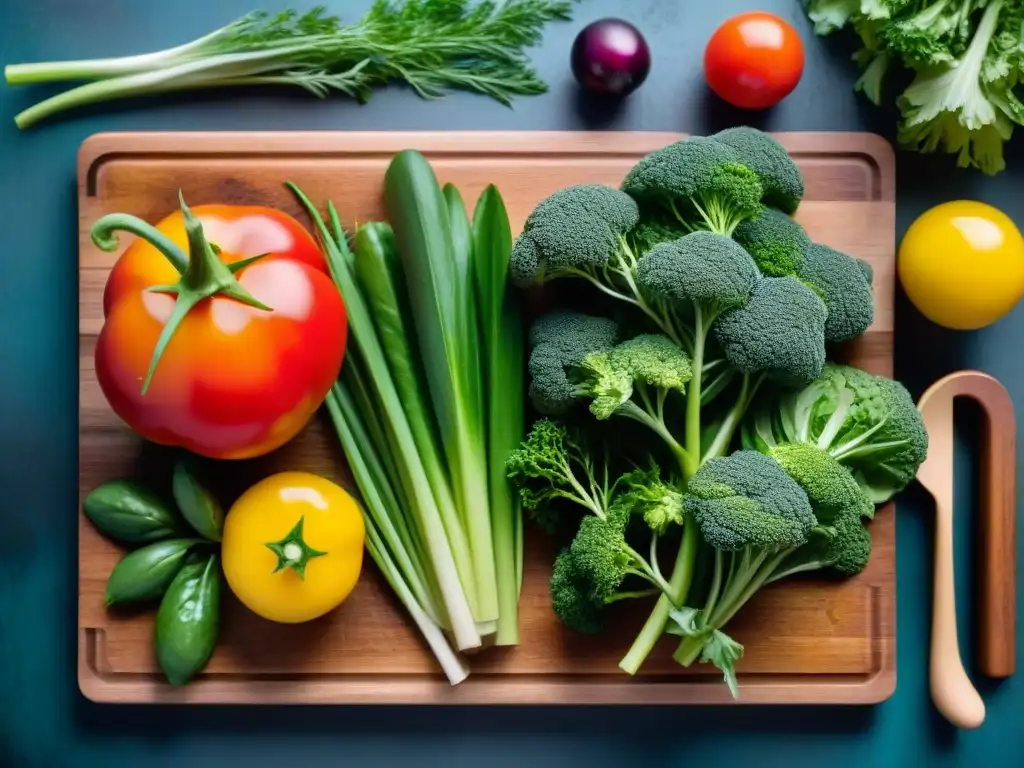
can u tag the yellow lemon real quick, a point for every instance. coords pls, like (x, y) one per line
(292, 548)
(961, 264)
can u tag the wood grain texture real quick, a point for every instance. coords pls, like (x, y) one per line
(807, 642)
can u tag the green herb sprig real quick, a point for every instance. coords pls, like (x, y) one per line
(433, 46)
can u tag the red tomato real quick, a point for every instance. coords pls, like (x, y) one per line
(754, 60)
(234, 381)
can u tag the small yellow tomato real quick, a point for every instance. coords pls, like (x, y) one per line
(292, 548)
(961, 264)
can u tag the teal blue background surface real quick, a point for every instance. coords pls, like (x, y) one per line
(44, 721)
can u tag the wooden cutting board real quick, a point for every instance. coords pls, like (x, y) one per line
(807, 642)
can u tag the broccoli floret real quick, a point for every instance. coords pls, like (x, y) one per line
(746, 500)
(830, 487)
(780, 177)
(577, 231)
(591, 573)
(866, 422)
(656, 226)
(702, 182)
(571, 598)
(776, 242)
(710, 270)
(648, 368)
(653, 360)
(843, 549)
(601, 554)
(841, 282)
(780, 332)
(660, 504)
(561, 341)
(554, 463)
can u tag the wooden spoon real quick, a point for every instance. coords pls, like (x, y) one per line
(952, 691)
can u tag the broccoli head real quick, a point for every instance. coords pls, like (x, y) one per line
(710, 270)
(776, 242)
(841, 282)
(747, 500)
(868, 423)
(571, 597)
(575, 231)
(866, 270)
(780, 332)
(830, 487)
(560, 342)
(780, 177)
(702, 182)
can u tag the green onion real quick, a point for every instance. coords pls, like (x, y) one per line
(439, 299)
(391, 438)
(502, 346)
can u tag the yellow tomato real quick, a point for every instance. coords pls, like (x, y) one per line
(962, 264)
(292, 548)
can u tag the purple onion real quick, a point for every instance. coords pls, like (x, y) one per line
(610, 56)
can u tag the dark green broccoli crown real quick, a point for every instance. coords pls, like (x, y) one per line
(600, 553)
(709, 269)
(841, 282)
(655, 360)
(781, 178)
(571, 598)
(561, 341)
(747, 500)
(579, 227)
(776, 242)
(689, 175)
(780, 331)
(830, 487)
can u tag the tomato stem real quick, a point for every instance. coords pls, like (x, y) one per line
(293, 552)
(202, 272)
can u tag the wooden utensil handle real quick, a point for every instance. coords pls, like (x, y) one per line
(998, 532)
(952, 691)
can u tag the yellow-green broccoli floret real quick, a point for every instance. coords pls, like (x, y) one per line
(780, 332)
(775, 241)
(579, 231)
(780, 177)
(634, 379)
(842, 283)
(702, 182)
(830, 487)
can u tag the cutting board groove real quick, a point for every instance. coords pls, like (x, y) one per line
(810, 641)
